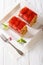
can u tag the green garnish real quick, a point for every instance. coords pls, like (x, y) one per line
(21, 40)
(5, 26)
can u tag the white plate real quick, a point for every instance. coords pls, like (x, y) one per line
(30, 35)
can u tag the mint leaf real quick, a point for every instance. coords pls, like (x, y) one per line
(5, 26)
(21, 40)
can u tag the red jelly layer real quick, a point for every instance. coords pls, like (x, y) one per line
(24, 10)
(21, 25)
(16, 23)
(28, 14)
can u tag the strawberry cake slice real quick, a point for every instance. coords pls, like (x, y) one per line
(18, 25)
(28, 15)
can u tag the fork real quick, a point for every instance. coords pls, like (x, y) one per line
(6, 40)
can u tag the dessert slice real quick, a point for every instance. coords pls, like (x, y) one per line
(18, 25)
(28, 15)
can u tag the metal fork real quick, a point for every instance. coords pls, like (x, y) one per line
(6, 40)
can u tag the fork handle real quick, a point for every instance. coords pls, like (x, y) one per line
(19, 51)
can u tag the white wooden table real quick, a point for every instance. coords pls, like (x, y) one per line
(7, 55)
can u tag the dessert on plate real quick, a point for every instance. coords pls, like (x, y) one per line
(28, 15)
(18, 25)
